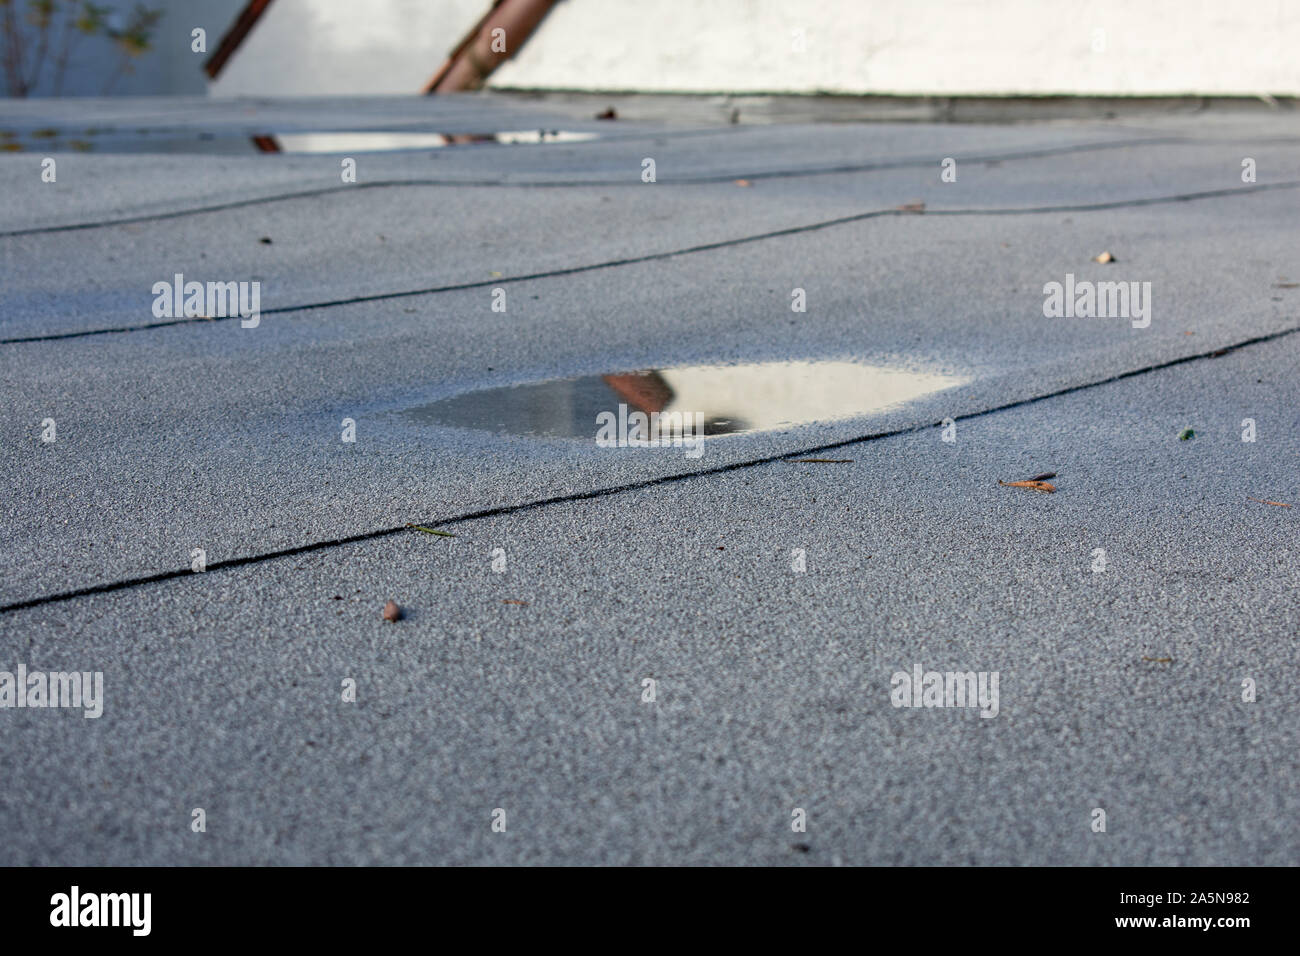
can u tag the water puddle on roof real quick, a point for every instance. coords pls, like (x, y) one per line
(730, 398)
(193, 141)
(379, 142)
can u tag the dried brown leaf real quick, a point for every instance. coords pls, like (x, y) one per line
(1035, 485)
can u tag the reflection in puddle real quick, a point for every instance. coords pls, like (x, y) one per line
(184, 141)
(730, 398)
(378, 142)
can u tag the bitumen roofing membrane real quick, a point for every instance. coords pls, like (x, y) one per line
(649, 653)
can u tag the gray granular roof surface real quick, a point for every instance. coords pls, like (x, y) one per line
(1124, 614)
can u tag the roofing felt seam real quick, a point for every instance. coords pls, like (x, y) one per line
(629, 486)
(688, 250)
(1026, 155)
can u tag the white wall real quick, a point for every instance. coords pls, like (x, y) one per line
(321, 47)
(917, 47)
(912, 47)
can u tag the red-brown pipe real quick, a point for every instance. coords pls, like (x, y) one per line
(473, 60)
(239, 30)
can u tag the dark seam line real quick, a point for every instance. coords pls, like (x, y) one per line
(632, 486)
(1117, 203)
(172, 575)
(657, 256)
(574, 183)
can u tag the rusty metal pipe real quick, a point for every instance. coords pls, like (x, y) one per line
(474, 59)
(238, 32)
